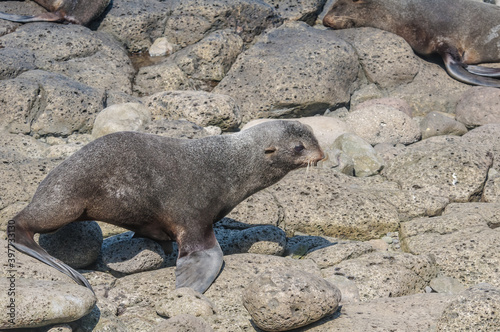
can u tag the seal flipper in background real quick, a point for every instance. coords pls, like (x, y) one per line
(483, 71)
(458, 71)
(45, 17)
(198, 269)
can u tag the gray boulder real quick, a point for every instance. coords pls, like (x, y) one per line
(40, 303)
(121, 117)
(383, 124)
(461, 241)
(273, 78)
(183, 323)
(136, 23)
(383, 274)
(190, 21)
(476, 309)
(125, 254)
(78, 244)
(444, 166)
(281, 299)
(437, 124)
(202, 108)
(264, 239)
(86, 56)
(185, 301)
(479, 106)
(48, 104)
(386, 59)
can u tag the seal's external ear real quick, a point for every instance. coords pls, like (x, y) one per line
(270, 150)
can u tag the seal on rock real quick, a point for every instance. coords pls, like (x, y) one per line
(463, 32)
(165, 189)
(66, 11)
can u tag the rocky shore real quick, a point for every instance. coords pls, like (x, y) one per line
(397, 230)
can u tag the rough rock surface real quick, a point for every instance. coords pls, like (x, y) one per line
(476, 309)
(383, 124)
(125, 254)
(223, 64)
(77, 244)
(284, 299)
(121, 117)
(479, 106)
(274, 78)
(40, 303)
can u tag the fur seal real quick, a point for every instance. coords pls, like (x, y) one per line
(164, 189)
(463, 32)
(65, 11)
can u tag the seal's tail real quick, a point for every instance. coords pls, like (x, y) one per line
(23, 241)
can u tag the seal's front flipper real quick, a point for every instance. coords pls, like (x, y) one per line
(483, 71)
(198, 269)
(45, 17)
(457, 70)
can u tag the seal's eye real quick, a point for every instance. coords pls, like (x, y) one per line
(298, 148)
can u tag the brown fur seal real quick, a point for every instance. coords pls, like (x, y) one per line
(164, 189)
(463, 32)
(68, 11)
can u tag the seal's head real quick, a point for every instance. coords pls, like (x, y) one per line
(349, 13)
(288, 145)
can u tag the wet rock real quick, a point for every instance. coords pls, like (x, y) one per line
(383, 124)
(479, 106)
(185, 301)
(78, 244)
(121, 117)
(436, 124)
(476, 309)
(40, 303)
(383, 274)
(366, 160)
(300, 245)
(202, 108)
(283, 299)
(125, 254)
(273, 77)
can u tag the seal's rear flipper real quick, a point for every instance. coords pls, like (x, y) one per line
(458, 71)
(45, 17)
(483, 71)
(44, 257)
(198, 269)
